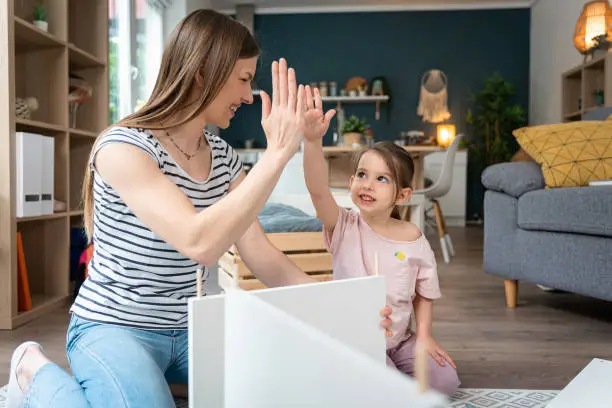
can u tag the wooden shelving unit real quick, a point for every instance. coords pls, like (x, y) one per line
(39, 64)
(580, 85)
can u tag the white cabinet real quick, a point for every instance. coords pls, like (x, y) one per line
(453, 204)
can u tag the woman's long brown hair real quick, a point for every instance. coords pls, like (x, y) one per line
(205, 41)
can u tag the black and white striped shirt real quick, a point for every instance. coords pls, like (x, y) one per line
(135, 278)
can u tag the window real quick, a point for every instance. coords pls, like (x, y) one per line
(135, 50)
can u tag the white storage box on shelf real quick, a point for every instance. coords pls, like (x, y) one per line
(34, 168)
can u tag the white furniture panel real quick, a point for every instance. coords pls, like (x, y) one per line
(590, 388)
(453, 204)
(276, 360)
(314, 304)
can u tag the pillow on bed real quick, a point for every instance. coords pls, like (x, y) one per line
(276, 217)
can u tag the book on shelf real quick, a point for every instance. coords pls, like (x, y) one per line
(24, 298)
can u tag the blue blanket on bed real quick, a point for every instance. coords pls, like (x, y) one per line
(276, 217)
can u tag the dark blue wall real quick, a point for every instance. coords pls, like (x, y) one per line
(401, 46)
(467, 45)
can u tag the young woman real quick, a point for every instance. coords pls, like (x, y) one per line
(161, 198)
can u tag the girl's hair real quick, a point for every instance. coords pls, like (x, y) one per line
(205, 41)
(399, 162)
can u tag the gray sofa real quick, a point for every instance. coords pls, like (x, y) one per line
(559, 237)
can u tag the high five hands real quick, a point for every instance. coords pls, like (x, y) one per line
(294, 111)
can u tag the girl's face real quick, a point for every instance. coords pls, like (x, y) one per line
(236, 91)
(373, 189)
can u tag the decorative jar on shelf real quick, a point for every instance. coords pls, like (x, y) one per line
(323, 88)
(333, 88)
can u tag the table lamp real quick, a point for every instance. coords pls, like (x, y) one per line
(594, 23)
(445, 135)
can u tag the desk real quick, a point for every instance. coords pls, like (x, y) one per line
(340, 168)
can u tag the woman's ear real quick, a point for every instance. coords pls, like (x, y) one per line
(403, 195)
(199, 80)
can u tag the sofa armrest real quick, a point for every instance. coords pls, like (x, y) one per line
(514, 179)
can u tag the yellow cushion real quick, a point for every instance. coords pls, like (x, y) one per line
(570, 154)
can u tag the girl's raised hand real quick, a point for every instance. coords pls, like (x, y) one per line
(315, 122)
(283, 118)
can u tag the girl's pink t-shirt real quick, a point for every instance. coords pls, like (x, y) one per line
(408, 266)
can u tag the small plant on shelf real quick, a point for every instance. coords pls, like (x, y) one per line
(354, 125)
(599, 97)
(353, 129)
(40, 17)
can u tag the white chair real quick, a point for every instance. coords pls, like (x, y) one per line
(438, 189)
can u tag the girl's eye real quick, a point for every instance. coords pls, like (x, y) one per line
(360, 174)
(383, 179)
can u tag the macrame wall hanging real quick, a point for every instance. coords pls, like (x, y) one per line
(433, 101)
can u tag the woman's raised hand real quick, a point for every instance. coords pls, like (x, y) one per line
(283, 118)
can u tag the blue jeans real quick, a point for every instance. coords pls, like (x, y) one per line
(113, 366)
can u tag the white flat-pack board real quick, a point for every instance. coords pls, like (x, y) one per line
(289, 363)
(590, 388)
(347, 310)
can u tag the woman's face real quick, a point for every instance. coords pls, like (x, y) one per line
(236, 91)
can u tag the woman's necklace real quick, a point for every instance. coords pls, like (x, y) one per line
(187, 155)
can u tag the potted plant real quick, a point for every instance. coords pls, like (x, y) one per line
(40, 17)
(492, 118)
(352, 130)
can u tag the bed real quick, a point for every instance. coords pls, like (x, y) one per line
(296, 233)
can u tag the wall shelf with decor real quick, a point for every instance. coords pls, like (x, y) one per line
(587, 87)
(339, 100)
(50, 41)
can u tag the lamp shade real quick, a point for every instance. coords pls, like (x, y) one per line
(446, 135)
(595, 20)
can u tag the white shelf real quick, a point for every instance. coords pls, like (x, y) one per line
(355, 99)
(345, 99)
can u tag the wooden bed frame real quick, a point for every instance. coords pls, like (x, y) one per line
(306, 249)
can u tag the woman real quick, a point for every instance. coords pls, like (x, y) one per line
(162, 197)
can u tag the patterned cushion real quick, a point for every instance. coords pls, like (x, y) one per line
(570, 154)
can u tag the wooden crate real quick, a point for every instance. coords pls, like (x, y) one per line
(305, 249)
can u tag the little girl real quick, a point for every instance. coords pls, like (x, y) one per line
(381, 181)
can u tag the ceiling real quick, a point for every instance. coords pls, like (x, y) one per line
(313, 6)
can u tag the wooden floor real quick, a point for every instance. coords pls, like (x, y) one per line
(542, 344)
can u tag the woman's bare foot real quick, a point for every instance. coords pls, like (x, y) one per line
(27, 359)
(33, 359)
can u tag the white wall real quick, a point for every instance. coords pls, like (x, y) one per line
(178, 10)
(552, 53)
